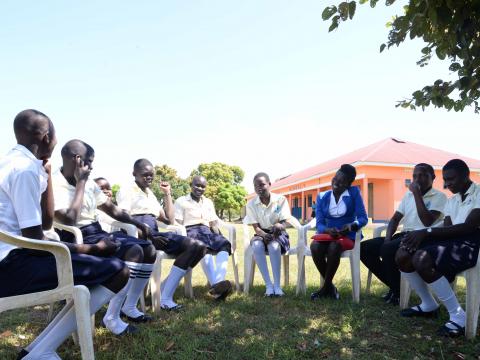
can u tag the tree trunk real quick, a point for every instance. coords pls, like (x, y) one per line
(229, 215)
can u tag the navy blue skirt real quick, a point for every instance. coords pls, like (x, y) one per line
(93, 233)
(175, 242)
(215, 242)
(283, 240)
(452, 256)
(24, 271)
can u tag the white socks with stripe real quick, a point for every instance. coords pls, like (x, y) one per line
(45, 345)
(275, 253)
(261, 260)
(169, 286)
(421, 288)
(442, 289)
(136, 288)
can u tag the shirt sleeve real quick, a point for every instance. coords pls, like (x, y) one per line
(251, 217)
(61, 196)
(100, 197)
(25, 195)
(212, 215)
(284, 209)
(179, 210)
(438, 202)
(401, 208)
(448, 207)
(123, 200)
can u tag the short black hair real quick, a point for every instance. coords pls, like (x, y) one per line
(73, 147)
(349, 171)
(427, 167)
(261, 174)
(459, 166)
(99, 179)
(141, 163)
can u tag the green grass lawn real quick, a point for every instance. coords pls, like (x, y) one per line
(254, 327)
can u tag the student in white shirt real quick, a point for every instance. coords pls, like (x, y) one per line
(268, 213)
(140, 202)
(431, 258)
(197, 213)
(26, 208)
(76, 200)
(421, 207)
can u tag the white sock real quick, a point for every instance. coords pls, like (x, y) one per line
(222, 264)
(136, 289)
(275, 253)
(112, 317)
(171, 283)
(64, 324)
(445, 294)
(421, 288)
(208, 266)
(261, 260)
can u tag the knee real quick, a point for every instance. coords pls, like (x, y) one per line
(200, 247)
(403, 259)
(334, 249)
(134, 254)
(149, 254)
(258, 246)
(419, 261)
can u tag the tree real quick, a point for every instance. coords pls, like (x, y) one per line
(450, 29)
(179, 186)
(225, 180)
(115, 188)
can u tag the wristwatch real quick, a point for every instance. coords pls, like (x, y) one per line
(429, 230)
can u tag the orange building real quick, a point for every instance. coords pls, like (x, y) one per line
(384, 171)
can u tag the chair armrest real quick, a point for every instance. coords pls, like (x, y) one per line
(177, 228)
(129, 228)
(246, 236)
(232, 233)
(72, 229)
(59, 251)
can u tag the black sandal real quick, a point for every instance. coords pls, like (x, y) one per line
(417, 311)
(449, 332)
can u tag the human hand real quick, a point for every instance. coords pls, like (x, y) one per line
(106, 247)
(47, 165)
(345, 230)
(144, 231)
(277, 229)
(412, 240)
(159, 241)
(165, 187)
(333, 232)
(82, 171)
(414, 188)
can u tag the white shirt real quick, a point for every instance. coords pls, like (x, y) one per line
(137, 202)
(190, 212)
(267, 216)
(338, 209)
(22, 182)
(459, 210)
(64, 193)
(434, 200)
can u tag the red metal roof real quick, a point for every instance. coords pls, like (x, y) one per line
(387, 151)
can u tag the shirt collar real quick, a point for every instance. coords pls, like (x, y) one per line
(189, 198)
(273, 198)
(27, 153)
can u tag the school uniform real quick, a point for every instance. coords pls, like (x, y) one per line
(349, 209)
(379, 257)
(452, 256)
(268, 215)
(87, 220)
(196, 217)
(144, 207)
(22, 271)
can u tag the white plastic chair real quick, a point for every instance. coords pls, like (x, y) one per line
(66, 290)
(353, 255)
(249, 261)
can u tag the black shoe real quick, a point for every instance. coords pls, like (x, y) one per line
(130, 329)
(449, 332)
(144, 318)
(417, 311)
(175, 308)
(393, 300)
(318, 294)
(387, 296)
(22, 354)
(221, 290)
(334, 293)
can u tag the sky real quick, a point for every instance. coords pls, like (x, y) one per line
(258, 84)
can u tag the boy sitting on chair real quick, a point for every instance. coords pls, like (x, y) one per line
(76, 200)
(197, 214)
(431, 258)
(26, 208)
(140, 201)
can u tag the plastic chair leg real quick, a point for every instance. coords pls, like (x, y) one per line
(405, 291)
(84, 324)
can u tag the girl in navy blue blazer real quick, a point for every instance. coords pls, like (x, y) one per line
(340, 213)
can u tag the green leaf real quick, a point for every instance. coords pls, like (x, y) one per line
(382, 47)
(454, 66)
(328, 12)
(343, 10)
(334, 24)
(440, 54)
(389, 2)
(363, 2)
(373, 3)
(352, 5)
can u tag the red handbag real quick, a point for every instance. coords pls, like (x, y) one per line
(345, 242)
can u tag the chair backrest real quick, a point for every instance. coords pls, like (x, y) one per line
(63, 261)
(77, 233)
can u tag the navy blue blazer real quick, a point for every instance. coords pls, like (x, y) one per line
(355, 211)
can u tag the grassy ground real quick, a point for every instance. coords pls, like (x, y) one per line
(254, 327)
